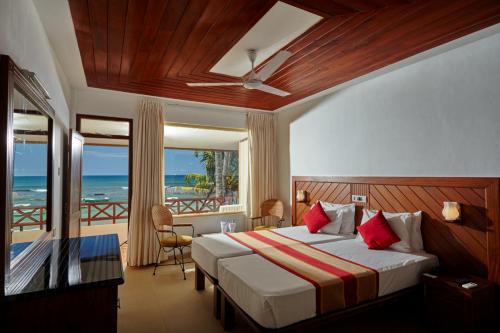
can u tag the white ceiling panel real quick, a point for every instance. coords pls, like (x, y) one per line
(278, 27)
(202, 138)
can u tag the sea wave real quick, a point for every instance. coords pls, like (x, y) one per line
(124, 187)
(40, 190)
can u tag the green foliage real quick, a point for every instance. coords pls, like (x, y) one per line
(232, 172)
(201, 183)
(207, 181)
(207, 158)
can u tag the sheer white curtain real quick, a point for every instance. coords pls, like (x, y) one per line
(147, 183)
(263, 160)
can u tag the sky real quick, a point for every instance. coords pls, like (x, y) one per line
(100, 160)
(30, 159)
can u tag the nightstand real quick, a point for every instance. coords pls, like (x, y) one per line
(450, 307)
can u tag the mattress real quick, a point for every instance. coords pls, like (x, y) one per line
(207, 250)
(275, 298)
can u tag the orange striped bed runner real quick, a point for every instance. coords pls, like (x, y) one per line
(339, 283)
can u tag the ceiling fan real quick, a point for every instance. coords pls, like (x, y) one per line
(255, 80)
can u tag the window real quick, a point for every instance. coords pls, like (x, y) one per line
(202, 169)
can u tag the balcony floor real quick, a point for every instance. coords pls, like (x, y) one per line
(104, 229)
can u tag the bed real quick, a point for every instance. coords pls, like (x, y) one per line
(208, 249)
(275, 298)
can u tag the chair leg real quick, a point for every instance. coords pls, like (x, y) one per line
(182, 262)
(157, 258)
(175, 257)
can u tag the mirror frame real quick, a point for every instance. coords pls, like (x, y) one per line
(11, 78)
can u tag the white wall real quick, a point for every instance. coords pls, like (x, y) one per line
(437, 117)
(23, 38)
(120, 104)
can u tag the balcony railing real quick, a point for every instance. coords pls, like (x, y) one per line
(194, 205)
(103, 212)
(113, 212)
(29, 217)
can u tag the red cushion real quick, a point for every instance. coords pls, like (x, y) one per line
(377, 233)
(316, 218)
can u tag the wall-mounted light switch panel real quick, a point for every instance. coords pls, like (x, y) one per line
(359, 198)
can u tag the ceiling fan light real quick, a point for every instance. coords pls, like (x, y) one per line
(252, 84)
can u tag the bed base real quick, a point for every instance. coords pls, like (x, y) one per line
(199, 284)
(229, 308)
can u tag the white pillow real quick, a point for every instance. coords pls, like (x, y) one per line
(335, 216)
(348, 212)
(417, 244)
(405, 225)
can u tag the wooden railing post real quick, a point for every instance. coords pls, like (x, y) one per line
(89, 215)
(114, 213)
(40, 218)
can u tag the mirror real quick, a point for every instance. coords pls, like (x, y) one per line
(30, 177)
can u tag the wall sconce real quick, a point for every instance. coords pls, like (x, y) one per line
(451, 211)
(301, 196)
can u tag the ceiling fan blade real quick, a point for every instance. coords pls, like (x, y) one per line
(215, 84)
(272, 90)
(273, 65)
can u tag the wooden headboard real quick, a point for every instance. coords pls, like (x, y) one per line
(471, 245)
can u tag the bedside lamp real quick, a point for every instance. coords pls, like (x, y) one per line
(451, 211)
(301, 196)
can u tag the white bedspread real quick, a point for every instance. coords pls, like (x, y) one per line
(275, 298)
(207, 250)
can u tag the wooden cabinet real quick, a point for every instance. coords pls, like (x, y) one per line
(450, 307)
(69, 285)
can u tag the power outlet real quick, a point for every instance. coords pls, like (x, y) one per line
(358, 198)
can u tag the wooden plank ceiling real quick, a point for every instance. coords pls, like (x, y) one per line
(154, 47)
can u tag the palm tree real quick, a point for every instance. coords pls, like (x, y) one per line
(221, 173)
(219, 161)
(207, 158)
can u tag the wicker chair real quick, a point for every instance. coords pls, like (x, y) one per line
(163, 217)
(269, 208)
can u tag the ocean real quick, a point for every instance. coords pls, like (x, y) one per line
(32, 190)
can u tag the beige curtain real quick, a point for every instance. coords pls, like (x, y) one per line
(243, 175)
(263, 160)
(147, 183)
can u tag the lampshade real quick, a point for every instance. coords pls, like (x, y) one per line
(300, 196)
(451, 211)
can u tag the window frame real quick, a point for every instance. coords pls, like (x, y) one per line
(129, 137)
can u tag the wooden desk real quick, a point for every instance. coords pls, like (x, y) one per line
(72, 286)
